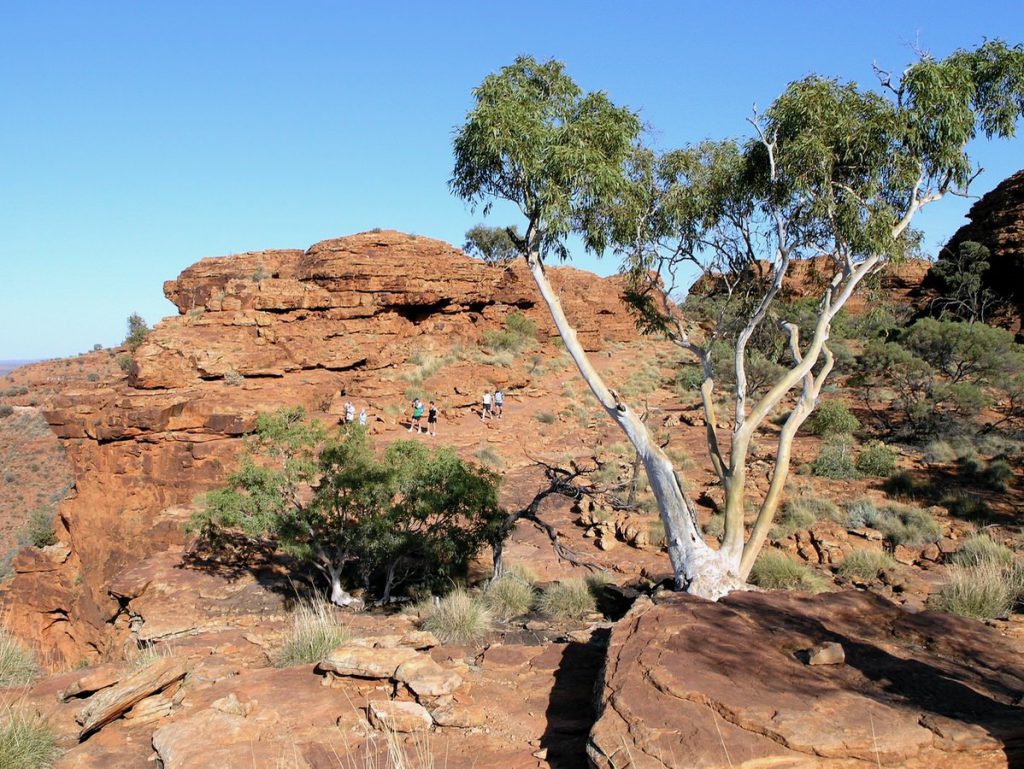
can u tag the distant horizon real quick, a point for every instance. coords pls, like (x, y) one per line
(151, 136)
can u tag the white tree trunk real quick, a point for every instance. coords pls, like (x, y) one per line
(698, 568)
(339, 596)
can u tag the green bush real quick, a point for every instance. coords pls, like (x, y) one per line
(981, 548)
(835, 460)
(40, 529)
(774, 570)
(137, 331)
(518, 333)
(6, 410)
(866, 564)
(459, 619)
(968, 507)
(997, 475)
(313, 634)
(546, 417)
(802, 513)
(17, 664)
(508, 597)
(982, 591)
(901, 524)
(903, 485)
(877, 459)
(26, 740)
(940, 452)
(833, 418)
(571, 599)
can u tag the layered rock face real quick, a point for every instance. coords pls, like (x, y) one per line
(255, 332)
(352, 304)
(756, 680)
(997, 222)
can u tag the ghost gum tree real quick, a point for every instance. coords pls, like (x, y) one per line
(830, 169)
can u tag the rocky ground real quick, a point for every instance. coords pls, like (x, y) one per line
(675, 683)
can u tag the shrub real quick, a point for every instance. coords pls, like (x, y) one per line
(981, 548)
(715, 526)
(656, 533)
(969, 507)
(17, 664)
(982, 591)
(40, 529)
(571, 599)
(877, 459)
(546, 417)
(996, 475)
(508, 597)
(313, 634)
(124, 362)
(835, 460)
(488, 456)
(833, 418)
(26, 740)
(459, 619)
(902, 485)
(866, 564)
(233, 378)
(519, 331)
(6, 410)
(901, 524)
(801, 513)
(940, 452)
(774, 570)
(137, 331)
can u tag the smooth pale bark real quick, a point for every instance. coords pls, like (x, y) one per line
(698, 568)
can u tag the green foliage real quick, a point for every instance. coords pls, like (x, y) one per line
(570, 599)
(546, 417)
(774, 570)
(981, 548)
(877, 459)
(137, 331)
(511, 596)
(801, 513)
(416, 516)
(314, 633)
(940, 452)
(961, 279)
(40, 531)
(459, 619)
(6, 410)
(835, 460)
(124, 362)
(17, 664)
(968, 507)
(833, 418)
(495, 245)
(519, 332)
(866, 564)
(535, 139)
(982, 591)
(26, 740)
(901, 524)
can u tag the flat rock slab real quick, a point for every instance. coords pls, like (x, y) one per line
(726, 685)
(402, 717)
(426, 678)
(110, 703)
(365, 662)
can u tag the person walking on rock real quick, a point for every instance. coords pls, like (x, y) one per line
(417, 416)
(432, 419)
(362, 417)
(350, 413)
(499, 403)
(486, 412)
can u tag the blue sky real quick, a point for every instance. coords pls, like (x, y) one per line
(139, 137)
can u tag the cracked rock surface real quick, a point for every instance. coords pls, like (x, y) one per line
(709, 685)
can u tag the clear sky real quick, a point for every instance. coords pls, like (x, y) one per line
(139, 137)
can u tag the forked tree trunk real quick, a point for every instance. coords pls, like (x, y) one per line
(339, 596)
(697, 568)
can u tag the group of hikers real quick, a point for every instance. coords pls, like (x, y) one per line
(350, 414)
(493, 407)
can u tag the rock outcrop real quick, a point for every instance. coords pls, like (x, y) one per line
(997, 222)
(255, 332)
(728, 684)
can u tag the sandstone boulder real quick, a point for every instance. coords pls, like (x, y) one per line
(402, 717)
(363, 662)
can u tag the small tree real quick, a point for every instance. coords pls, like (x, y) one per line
(495, 245)
(137, 331)
(413, 516)
(960, 276)
(830, 169)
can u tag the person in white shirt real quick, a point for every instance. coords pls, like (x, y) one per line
(487, 406)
